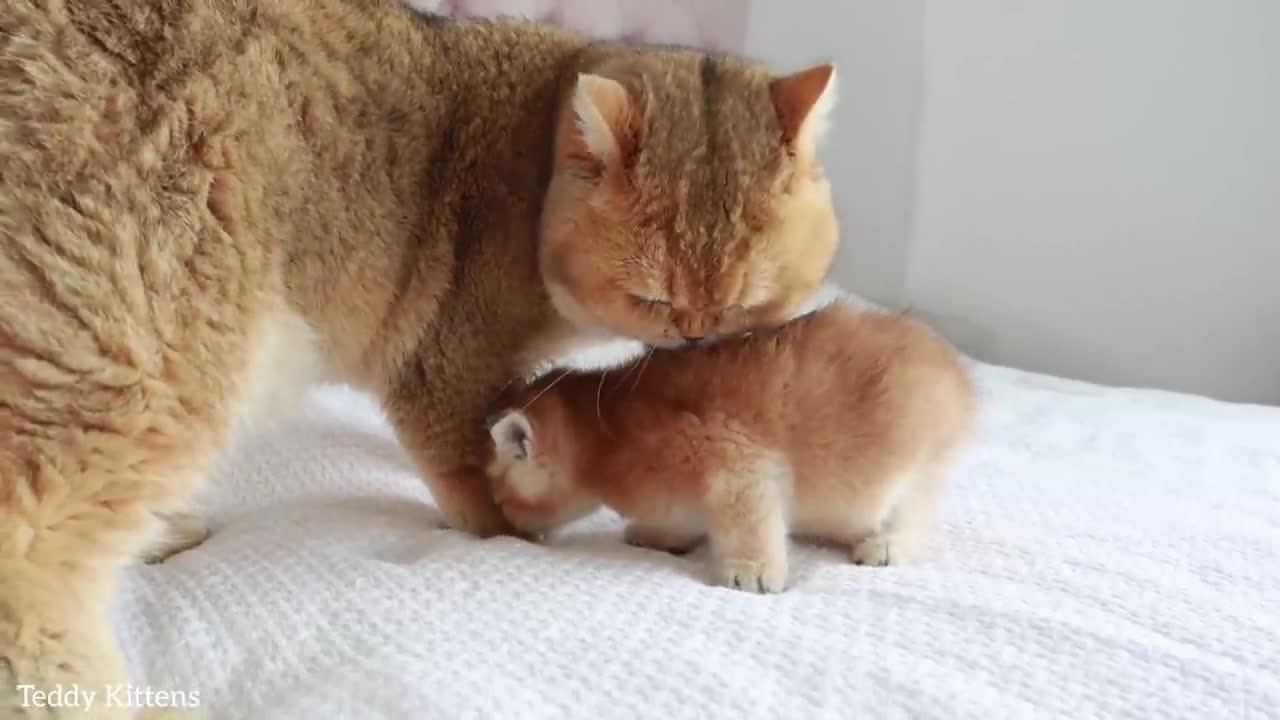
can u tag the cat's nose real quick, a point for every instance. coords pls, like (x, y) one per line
(691, 339)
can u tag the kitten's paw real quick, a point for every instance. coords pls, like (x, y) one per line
(659, 538)
(884, 550)
(179, 532)
(753, 575)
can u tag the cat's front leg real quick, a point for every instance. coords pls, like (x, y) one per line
(463, 496)
(441, 426)
(457, 483)
(747, 526)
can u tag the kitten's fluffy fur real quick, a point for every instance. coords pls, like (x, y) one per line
(838, 426)
(204, 204)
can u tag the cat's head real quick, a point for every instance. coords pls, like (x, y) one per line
(531, 466)
(687, 199)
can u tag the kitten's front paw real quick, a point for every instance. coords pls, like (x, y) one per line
(753, 575)
(884, 550)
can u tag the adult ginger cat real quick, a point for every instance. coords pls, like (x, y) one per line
(840, 426)
(204, 204)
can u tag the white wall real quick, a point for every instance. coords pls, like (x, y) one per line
(1099, 189)
(1089, 188)
(871, 152)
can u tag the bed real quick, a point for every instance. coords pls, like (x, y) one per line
(1104, 553)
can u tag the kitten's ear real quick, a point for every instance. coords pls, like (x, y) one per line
(603, 110)
(804, 101)
(512, 435)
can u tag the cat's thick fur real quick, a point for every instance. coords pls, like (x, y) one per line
(839, 426)
(205, 204)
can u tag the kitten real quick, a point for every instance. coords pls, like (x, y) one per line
(838, 426)
(207, 204)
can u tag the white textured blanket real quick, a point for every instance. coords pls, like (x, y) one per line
(1106, 553)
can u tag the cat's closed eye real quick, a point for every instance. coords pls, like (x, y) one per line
(651, 303)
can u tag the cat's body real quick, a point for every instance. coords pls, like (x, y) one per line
(207, 204)
(838, 426)
(246, 209)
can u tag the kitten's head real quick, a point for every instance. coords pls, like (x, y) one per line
(531, 465)
(687, 200)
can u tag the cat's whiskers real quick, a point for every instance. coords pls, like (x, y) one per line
(599, 414)
(642, 363)
(631, 368)
(550, 385)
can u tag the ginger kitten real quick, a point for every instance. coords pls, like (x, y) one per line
(207, 204)
(839, 425)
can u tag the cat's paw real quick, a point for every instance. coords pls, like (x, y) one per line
(483, 522)
(659, 538)
(178, 532)
(884, 550)
(466, 504)
(753, 575)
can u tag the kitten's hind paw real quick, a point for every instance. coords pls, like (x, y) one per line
(753, 575)
(660, 538)
(884, 550)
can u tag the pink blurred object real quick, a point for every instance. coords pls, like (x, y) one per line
(709, 24)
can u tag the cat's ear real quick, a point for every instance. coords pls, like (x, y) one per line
(512, 435)
(603, 110)
(804, 101)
